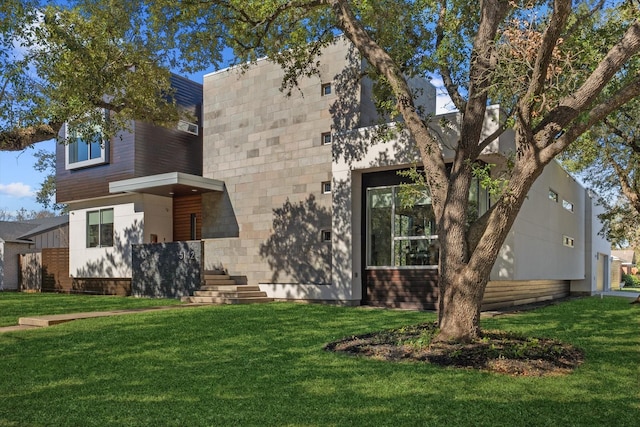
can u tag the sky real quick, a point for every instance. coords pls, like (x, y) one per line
(19, 181)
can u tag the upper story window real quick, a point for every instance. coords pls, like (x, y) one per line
(553, 195)
(82, 150)
(325, 89)
(100, 228)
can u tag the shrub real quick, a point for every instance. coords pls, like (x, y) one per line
(631, 281)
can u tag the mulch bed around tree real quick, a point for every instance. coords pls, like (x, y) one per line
(495, 351)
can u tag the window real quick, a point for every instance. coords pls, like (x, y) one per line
(326, 187)
(400, 235)
(325, 89)
(568, 241)
(326, 138)
(100, 228)
(553, 195)
(88, 151)
(325, 236)
(567, 205)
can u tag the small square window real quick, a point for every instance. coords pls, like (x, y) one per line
(326, 187)
(325, 89)
(568, 241)
(567, 205)
(326, 138)
(325, 235)
(553, 195)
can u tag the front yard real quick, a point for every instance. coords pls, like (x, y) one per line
(265, 365)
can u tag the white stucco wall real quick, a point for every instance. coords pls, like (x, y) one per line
(534, 249)
(131, 213)
(598, 249)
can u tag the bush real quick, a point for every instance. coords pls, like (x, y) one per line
(631, 281)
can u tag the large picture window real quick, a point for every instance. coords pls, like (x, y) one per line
(100, 228)
(400, 236)
(85, 148)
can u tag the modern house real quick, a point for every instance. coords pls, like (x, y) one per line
(299, 195)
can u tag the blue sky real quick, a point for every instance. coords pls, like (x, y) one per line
(19, 180)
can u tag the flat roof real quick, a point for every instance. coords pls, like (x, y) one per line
(171, 184)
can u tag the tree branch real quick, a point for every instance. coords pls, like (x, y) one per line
(561, 11)
(445, 71)
(571, 106)
(385, 65)
(18, 139)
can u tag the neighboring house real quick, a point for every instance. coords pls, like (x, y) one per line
(20, 237)
(624, 262)
(627, 259)
(299, 195)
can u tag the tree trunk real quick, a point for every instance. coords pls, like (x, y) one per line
(459, 305)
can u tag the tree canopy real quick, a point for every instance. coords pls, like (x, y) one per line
(61, 64)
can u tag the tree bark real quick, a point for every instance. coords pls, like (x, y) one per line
(18, 139)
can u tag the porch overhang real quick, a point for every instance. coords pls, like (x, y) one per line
(172, 184)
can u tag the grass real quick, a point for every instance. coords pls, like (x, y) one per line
(264, 365)
(14, 305)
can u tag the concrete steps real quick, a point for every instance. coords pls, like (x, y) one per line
(219, 288)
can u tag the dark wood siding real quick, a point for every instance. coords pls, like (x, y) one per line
(418, 289)
(402, 288)
(55, 270)
(161, 150)
(183, 207)
(145, 150)
(94, 181)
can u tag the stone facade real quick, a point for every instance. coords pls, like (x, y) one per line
(270, 151)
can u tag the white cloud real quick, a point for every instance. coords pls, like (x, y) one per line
(16, 189)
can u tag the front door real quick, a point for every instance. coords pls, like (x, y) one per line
(187, 218)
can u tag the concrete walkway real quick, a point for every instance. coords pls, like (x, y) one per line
(55, 319)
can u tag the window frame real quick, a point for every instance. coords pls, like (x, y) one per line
(567, 205)
(103, 158)
(568, 241)
(396, 239)
(324, 136)
(99, 232)
(324, 87)
(553, 195)
(325, 186)
(325, 236)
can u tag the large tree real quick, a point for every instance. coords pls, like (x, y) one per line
(60, 64)
(557, 69)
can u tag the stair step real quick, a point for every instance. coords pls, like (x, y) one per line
(217, 277)
(229, 294)
(220, 282)
(230, 288)
(219, 300)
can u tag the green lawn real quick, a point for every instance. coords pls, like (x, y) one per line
(264, 365)
(14, 305)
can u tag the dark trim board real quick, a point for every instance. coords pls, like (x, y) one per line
(402, 288)
(418, 289)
